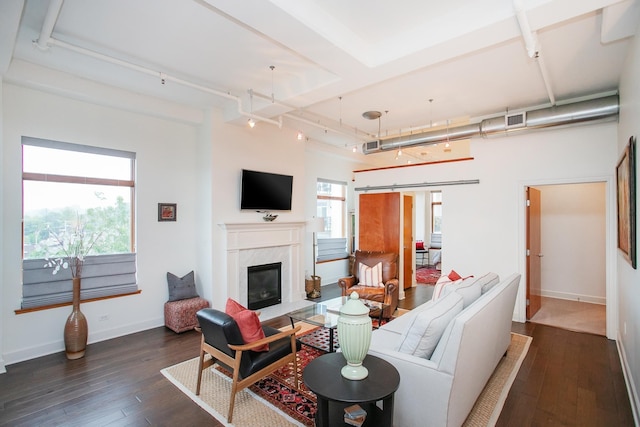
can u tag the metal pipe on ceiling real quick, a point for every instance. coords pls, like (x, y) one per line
(598, 109)
(394, 187)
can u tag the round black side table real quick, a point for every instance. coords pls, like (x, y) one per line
(334, 392)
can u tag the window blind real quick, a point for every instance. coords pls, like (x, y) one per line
(333, 248)
(102, 276)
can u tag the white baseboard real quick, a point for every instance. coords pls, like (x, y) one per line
(574, 297)
(634, 399)
(58, 346)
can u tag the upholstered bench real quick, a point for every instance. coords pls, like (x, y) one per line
(180, 316)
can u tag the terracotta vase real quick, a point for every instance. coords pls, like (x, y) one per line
(75, 330)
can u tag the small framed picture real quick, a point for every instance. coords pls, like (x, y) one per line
(167, 211)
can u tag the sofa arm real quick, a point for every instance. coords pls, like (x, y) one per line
(345, 283)
(420, 380)
(392, 292)
(391, 286)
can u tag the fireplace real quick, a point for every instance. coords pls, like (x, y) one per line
(250, 244)
(264, 285)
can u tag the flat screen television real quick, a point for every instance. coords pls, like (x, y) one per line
(265, 191)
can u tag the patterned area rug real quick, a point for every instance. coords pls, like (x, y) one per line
(427, 276)
(273, 402)
(279, 388)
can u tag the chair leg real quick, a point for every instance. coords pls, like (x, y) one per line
(232, 400)
(200, 369)
(234, 384)
(296, 381)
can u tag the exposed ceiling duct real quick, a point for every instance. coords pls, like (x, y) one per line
(600, 109)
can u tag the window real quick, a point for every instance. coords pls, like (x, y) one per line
(436, 212)
(66, 183)
(332, 207)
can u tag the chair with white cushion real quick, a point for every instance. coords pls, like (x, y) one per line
(374, 276)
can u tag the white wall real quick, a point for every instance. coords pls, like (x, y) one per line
(166, 172)
(573, 239)
(483, 224)
(628, 278)
(269, 149)
(328, 166)
(2, 362)
(196, 165)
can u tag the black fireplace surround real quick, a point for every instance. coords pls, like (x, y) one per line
(264, 285)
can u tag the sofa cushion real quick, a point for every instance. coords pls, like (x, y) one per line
(423, 334)
(469, 288)
(181, 287)
(370, 276)
(488, 281)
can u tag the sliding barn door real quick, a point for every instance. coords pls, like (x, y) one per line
(379, 222)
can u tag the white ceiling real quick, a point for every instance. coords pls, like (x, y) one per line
(332, 59)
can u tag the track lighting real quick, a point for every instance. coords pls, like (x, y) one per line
(251, 122)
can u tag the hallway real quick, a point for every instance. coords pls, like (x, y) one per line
(572, 315)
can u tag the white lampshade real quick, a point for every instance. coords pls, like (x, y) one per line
(315, 225)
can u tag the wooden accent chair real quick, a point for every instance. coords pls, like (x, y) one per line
(387, 294)
(222, 340)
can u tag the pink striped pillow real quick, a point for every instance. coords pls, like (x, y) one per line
(370, 276)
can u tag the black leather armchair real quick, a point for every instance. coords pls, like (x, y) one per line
(221, 338)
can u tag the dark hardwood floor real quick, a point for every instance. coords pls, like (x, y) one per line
(567, 379)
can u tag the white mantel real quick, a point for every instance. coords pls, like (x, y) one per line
(263, 243)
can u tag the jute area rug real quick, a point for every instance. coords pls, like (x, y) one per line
(253, 411)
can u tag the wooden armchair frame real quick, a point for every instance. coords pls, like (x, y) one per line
(234, 362)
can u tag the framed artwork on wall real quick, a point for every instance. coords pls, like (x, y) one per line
(167, 211)
(626, 197)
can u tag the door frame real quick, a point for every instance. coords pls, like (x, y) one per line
(611, 290)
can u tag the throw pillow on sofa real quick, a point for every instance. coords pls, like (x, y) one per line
(181, 287)
(444, 281)
(488, 281)
(423, 334)
(470, 289)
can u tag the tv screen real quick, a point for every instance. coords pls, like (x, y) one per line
(265, 191)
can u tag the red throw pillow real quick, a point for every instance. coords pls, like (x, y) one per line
(233, 307)
(420, 245)
(248, 323)
(454, 276)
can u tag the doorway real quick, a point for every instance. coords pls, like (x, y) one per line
(573, 240)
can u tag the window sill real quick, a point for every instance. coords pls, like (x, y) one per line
(331, 260)
(64, 304)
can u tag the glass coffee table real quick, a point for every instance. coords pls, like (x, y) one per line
(325, 315)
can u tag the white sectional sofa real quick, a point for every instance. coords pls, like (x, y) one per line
(446, 350)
